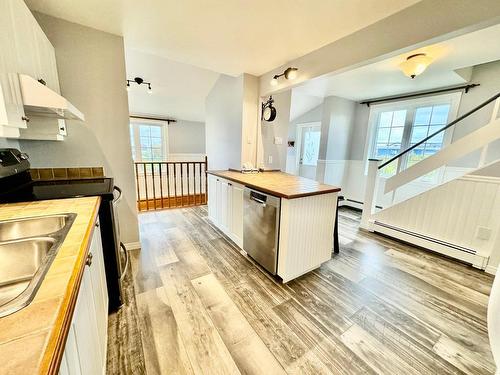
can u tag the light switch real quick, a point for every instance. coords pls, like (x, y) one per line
(278, 140)
(270, 159)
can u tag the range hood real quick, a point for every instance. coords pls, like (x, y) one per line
(40, 100)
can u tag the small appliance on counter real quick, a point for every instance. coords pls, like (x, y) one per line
(17, 185)
(249, 168)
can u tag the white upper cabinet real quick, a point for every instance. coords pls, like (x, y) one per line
(11, 102)
(25, 49)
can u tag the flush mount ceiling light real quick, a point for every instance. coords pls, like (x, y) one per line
(139, 81)
(415, 64)
(290, 73)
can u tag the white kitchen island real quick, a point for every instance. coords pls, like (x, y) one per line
(305, 218)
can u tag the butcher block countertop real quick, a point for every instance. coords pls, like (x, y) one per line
(280, 184)
(32, 339)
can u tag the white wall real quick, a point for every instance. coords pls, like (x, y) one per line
(231, 122)
(91, 68)
(186, 137)
(277, 128)
(224, 112)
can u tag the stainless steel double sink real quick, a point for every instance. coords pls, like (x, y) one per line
(27, 248)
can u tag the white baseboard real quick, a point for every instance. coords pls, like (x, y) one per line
(492, 270)
(132, 245)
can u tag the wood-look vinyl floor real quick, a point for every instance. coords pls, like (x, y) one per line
(378, 307)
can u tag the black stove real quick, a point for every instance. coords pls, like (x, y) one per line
(16, 185)
(56, 189)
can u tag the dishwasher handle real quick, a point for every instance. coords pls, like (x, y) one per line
(254, 198)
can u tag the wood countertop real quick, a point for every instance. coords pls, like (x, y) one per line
(280, 184)
(32, 339)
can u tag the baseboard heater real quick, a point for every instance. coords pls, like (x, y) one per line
(427, 238)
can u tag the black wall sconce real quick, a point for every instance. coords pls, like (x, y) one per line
(139, 81)
(268, 110)
(290, 73)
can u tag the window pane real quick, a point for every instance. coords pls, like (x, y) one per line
(383, 135)
(155, 131)
(311, 147)
(145, 142)
(438, 138)
(157, 154)
(440, 114)
(418, 133)
(416, 155)
(385, 119)
(396, 135)
(144, 130)
(423, 116)
(399, 118)
(146, 154)
(155, 142)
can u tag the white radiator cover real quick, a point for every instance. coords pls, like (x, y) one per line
(459, 212)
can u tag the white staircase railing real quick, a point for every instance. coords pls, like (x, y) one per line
(478, 139)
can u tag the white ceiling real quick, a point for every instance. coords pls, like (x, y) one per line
(384, 78)
(179, 90)
(227, 36)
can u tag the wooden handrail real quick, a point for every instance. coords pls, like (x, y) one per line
(169, 184)
(465, 115)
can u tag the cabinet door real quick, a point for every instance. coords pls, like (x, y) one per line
(25, 39)
(224, 206)
(99, 291)
(218, 200)
(46, 60)
(237, 214)
(86, 332)
(212, 198)
(70, 363)
(13, 112)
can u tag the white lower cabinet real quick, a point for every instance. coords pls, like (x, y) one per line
(225, 207)
(85, 351)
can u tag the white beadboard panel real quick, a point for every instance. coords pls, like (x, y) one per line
(452, 213)
(314, 215)
(334, 171)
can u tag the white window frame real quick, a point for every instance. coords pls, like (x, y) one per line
(164, 135)
(452, 98)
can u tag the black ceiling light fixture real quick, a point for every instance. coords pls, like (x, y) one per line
(268, 110)
(139, 81)
(289, 73)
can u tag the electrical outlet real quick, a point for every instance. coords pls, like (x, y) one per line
(270, 159)
(483, 233)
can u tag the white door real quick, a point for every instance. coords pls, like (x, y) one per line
(308, 139)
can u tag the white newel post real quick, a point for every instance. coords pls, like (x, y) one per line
(371, 189)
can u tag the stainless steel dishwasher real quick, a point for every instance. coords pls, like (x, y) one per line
(261, 216)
